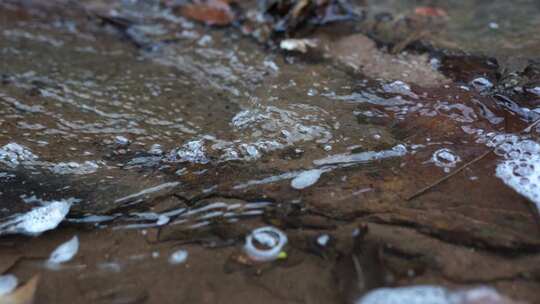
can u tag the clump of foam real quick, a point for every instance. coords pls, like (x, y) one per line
(64, 253)
(13, 154)
(306, 179)
(521, 168)
(37, 220)
(445, 158)
(8, 283)
(362, 157)
(75, 168)
(430, 294)
(399, 87)
(413, 295)
(178, 257)
(193, 152)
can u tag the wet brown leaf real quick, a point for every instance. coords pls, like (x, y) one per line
(22, 295)
(427, 11)
(211, 12)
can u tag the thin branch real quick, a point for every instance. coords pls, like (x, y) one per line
(436, 183)
(477, 159)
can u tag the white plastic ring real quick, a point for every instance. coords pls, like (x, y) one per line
(272, 237)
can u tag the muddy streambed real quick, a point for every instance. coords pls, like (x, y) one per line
(151, 146)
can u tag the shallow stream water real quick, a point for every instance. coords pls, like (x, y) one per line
(173, 125)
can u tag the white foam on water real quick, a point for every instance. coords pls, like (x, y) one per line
(12, 154)
(481, 84)
(323, 239)
(64, 253)
(399, 87)
(8, 283)
(521, 168)
(38, 220)
(431, 294)
(306, 179)
(362, 157)
(178, 257)
(267, 180)
(162, 220)
(193, 152)
(411, 295)
(93, 219)
(121, 140)
(299, 45)
(74, 168)
(146, 192)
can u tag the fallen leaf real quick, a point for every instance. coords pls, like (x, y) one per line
(211, 12)
(428, 11)
(22, 295)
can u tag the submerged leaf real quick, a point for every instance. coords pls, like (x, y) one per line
(211, 12)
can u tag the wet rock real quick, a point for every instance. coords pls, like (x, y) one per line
(361, 269)
(361, 54)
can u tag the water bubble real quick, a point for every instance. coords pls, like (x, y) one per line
(323, 239)
(312, 92)
(178, 257)
(493, 25)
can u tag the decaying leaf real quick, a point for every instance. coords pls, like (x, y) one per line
(22, 295)
(211, 12)
(428, 11)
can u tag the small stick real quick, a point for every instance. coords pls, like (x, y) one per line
(444, 178)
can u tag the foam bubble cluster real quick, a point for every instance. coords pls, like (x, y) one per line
(430, 294)
(520, 169)
(64, 252)
(178, 257)
(306, 179)
(13, 154)
(75, 168)
(37, 220)
(193, 152)
(8, 283)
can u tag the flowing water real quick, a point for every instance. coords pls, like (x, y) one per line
(166, 124)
